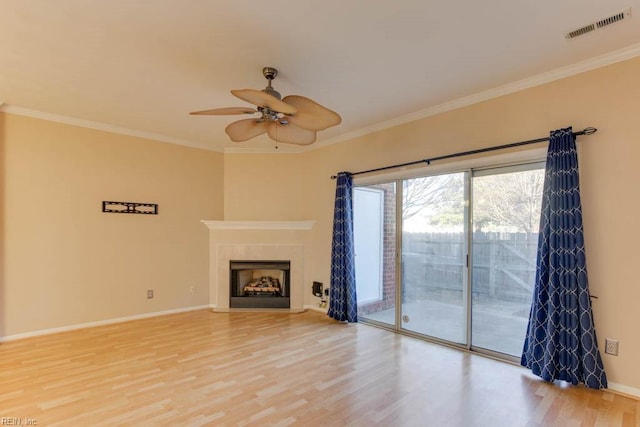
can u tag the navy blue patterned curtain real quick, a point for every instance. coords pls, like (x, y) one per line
(561, 340)
(343, 303)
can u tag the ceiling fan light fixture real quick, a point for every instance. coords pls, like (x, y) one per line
(292, 120)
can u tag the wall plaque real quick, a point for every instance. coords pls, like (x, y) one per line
(130, 208)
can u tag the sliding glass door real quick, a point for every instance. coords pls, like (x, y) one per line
(452, 256)
(506, 216)
(374, 218)
(434, 253)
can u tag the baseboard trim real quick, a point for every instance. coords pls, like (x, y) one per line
(100, 323)
(624, 390)
(315, 308)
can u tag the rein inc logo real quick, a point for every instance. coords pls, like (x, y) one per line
(18, 421)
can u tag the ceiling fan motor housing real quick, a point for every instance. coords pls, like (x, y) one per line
(269, 73)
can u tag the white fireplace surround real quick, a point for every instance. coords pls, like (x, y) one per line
(257, 241)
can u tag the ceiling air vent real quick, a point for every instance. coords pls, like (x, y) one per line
(580, 31)
(612, 19)
(625, 14)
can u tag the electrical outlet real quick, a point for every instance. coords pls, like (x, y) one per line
(611, 347)
(192, 290)
(150, 294)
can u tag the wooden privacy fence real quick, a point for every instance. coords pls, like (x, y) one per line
(503, 265)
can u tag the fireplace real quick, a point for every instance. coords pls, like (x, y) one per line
(259, 284)
(230, 241)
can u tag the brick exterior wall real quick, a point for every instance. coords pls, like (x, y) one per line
(388, 253)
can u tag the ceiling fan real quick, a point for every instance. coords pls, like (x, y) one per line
(293, 119)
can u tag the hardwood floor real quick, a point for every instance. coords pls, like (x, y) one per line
(204, 368)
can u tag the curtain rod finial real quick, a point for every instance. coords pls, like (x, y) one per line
(589, 131)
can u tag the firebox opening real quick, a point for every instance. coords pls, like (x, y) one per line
(259, 284)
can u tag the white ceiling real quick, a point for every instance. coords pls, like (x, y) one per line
(140, 66)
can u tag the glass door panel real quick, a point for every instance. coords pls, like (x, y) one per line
(434, 256)
(506, 216)
(436, 286)
(374, 219)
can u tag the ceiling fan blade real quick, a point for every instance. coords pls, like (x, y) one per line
(291, 134)
(245, 129)
(225, 111)
(262, 99)
(311, 115)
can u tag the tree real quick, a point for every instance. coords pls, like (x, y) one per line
(502, 202)
(513, 202)
(419, 193)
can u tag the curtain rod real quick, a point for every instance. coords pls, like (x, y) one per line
(585, 131)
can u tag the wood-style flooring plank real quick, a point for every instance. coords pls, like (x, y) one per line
(277, 369)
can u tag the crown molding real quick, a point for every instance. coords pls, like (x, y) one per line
(262, 150)
(21, 111)
(613, 57)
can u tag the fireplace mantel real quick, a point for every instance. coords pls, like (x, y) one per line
(258, 241)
